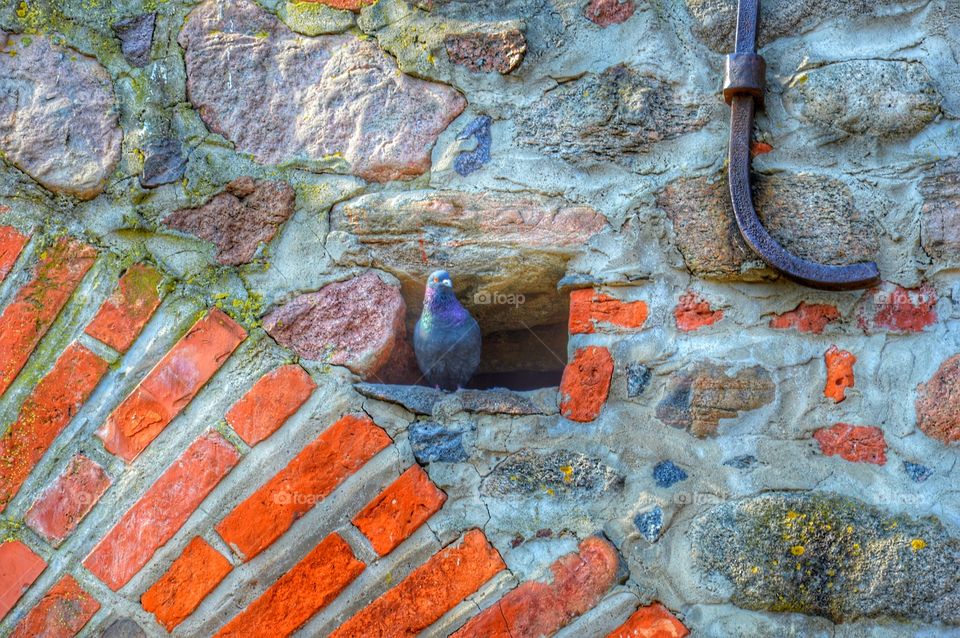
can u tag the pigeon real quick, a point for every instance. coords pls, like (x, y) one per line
(446, 340)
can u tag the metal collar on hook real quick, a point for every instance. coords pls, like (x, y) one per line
(743, 90)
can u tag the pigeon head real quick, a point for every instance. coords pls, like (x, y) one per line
(439, 279)
(439, 294)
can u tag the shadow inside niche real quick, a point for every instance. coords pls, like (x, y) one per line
(516, 380)
(520, 360)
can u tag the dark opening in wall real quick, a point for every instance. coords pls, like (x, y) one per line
(522, 352)
(525, 359)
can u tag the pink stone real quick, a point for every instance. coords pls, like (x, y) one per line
(354, 323)
(607, 12)
(334, 99)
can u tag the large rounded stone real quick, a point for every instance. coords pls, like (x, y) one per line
(940, 215)
(825, 555)
(354, 323)
(505, 252)
(58, 116)
(811, 215)
(715, 21)
(284, 97)
(867, 97)
(613, 116)
(938, 403)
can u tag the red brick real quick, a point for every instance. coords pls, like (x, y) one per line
(311, 476)
(12, 242)
(171, 385)
(271, 401)
(760, 148)
(586, 384)
(590, 310)
(300, 593)
(853, 443)
(177, 593)
(62, 613)
(399, 510)
(122, 316)
(537, 609)
(162, 510)
(19, 567)
(808, 318)
(652, 621)
(694, 312)
(893, 308)
(61, 507)
(839, 373)
(44, 414)
(429, 592)
(37, 305)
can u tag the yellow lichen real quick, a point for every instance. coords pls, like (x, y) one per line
(917, 544)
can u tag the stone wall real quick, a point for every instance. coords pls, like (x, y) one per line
(216, 219)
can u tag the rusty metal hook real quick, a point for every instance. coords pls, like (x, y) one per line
(743, 89)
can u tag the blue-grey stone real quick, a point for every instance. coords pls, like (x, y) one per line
(667, 473)
(918, 473)
(638, 378)
(136, 37)
(469, 161)
(422, 400)
(742, 462)
(650, 524)
(163, 163)
(432, 442)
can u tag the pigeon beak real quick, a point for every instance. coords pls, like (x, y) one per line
(447, 283)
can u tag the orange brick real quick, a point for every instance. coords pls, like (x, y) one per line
(124, 314)
(537, 609)
(399, 510)
(45, 413)
(268, 513)
(162, 510)
(652, 621)
(37, 305)
(694, 312)
(853, 443)
(586, 384)
(19, 567)
(893, 308)
(839, 373)
(428, 592)
(177, 593)
(590, 309)
(271, 401)
(808, 318)
(300, 593)
(61, 507)
(12, 242)
(62, 613)
(171, 385)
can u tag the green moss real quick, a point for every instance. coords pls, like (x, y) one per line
(11, 529)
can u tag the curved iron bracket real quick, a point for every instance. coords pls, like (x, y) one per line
(743, 90)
